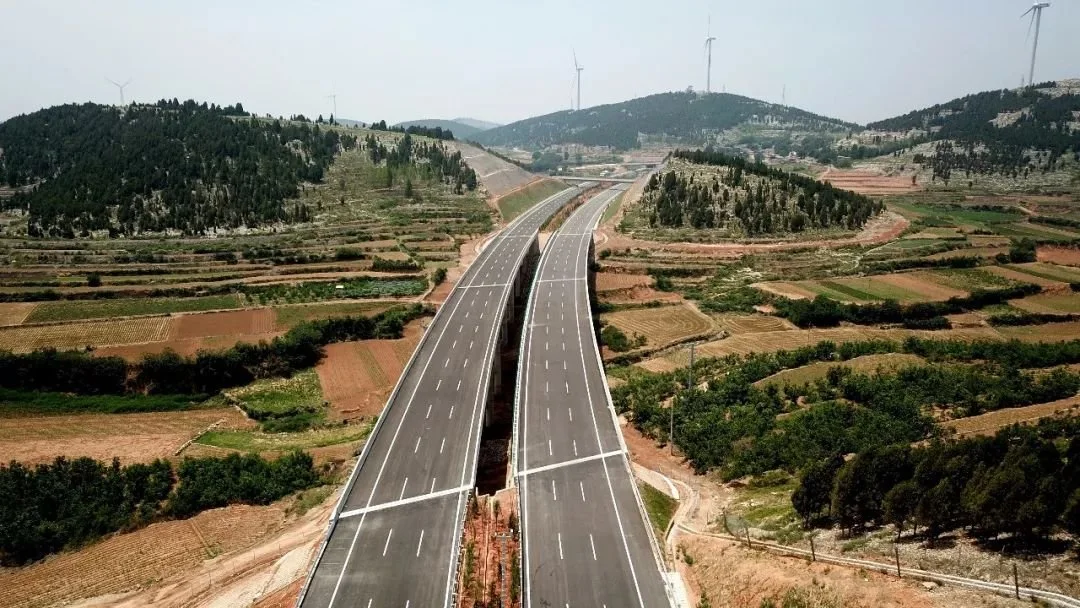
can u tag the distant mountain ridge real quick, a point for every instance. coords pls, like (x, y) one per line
(463, 128)
(1008, 132)
(686, 117)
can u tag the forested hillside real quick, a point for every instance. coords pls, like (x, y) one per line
(175, 166)
(713, 190)
(689, 118)
(459, 129)
(1007, 132)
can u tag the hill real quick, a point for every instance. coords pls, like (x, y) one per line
(171, 166)
(483, 125)
(1005, 132)
(459, 129)
(683, 118)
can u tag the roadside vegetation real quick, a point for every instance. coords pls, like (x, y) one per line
(67, 504)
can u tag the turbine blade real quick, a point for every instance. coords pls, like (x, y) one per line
(1030, 23)
(114, 83)
(1024, 14)
(126, 83)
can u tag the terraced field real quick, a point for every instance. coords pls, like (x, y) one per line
(661, 325)
(25, 338)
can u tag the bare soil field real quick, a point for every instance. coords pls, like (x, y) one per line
(637, 295)
(786, 290)
(866, 182)
(357, 377)
(138, 437)
(233, 322)
(25, 338)
(1067, 256)
(614, 281)
(128, 562)
(15, 312)
(751, 324)
(661, 326)
(990, 422)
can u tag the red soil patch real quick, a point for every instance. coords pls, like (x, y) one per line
(357, 377)
(639, 294)
(1059, 255)
(612, 281)
(233, 322)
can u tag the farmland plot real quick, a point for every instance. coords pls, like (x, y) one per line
(990, 422)
(662, 325)
(15, 312)
(130, 437)
(24, 338)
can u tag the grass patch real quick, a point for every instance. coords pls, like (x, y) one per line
(288, 317)
(73, 310)
(310, 498)
(24, 403)
(255, 441)
(660, 507)
(516, 203)
(970, 279)
(366, 287)
(283, 404)
(613, 207)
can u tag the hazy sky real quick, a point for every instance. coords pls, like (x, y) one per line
(505, 60)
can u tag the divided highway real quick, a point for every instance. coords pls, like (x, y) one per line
(585, 540)
(395, 533)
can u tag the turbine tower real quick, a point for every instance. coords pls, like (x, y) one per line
(579, 68)
(333, 97)
(708, 52)
(121, 87)
(1036, 18)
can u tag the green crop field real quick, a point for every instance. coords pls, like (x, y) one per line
(255, 441)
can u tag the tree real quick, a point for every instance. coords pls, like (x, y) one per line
(408, 188)
(900, 503)
(93, 280)
(812, 495)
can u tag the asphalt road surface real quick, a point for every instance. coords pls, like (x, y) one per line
(397, 534)
(585, 542)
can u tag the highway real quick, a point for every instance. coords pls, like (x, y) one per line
(585, 540)
(396, 531)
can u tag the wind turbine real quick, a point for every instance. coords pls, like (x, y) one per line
(121, 87)
(708, 51)
(579, 68)
(333, 97)
(1036, 18)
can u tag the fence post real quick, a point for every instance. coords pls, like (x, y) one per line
(896, 552)
(1016, 581)
(748, 537)
(813, 554)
